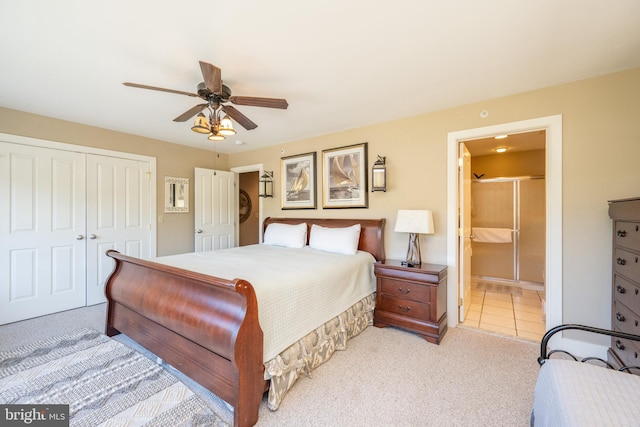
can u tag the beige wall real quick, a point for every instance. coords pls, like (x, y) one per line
(175, 234)
(519, 163)
(601, 145)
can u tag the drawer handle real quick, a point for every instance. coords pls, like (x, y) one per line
(622, 233)
(636, 291)
(620, 317)
(619, 345)
(402, 291)
(636, 323)
(404, 309)
(621, 261)
(620, 289)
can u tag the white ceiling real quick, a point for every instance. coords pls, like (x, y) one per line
(340, 64)
(526, 141)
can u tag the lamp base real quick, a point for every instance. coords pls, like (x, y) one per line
(408, 264)
(413, 252)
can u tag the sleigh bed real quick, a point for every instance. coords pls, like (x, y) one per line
(209, 327)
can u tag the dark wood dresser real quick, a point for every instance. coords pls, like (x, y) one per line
(412, 298)
(626, 280)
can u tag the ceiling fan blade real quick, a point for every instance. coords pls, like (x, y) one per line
(161, 89)
(260, 102)
(212, 77)
(236, 115)
(190, 113)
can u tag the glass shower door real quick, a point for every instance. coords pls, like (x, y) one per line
(492, 206)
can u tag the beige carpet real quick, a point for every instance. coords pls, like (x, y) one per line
(387, 377)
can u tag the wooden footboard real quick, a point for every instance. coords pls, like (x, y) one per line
(204, 326)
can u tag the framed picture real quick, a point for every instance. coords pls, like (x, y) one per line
(298, 181)
(344, 177)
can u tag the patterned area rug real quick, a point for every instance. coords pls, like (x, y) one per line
(103, 381)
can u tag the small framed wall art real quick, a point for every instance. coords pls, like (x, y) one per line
(298, 181)
(344, 177)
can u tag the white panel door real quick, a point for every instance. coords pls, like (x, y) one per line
(42, 231)
(117, 216)
(215, 202)
(464, 234)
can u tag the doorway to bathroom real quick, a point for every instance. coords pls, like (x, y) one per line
(505, 212)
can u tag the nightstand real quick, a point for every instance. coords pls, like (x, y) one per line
(412, 298)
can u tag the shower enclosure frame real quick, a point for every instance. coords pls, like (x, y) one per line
(515, 229)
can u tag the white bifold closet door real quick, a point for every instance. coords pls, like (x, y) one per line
(117, 216)
(42, 231)
(59, 212)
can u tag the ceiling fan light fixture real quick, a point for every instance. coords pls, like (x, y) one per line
(226, 126)
(201, 125)
(216, 136)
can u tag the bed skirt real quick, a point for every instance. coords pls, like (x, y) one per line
(316, 348)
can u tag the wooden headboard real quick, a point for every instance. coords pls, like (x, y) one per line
(371, 233)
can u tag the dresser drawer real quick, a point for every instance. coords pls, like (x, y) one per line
(406, 290)
(625, 320)
(627, 293)
(626, 263)
(627, 234)
(628, 351)
(405, 307)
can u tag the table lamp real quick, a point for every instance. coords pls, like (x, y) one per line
(414, 222)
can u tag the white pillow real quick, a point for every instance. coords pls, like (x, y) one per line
(287, 235)
(338, 240)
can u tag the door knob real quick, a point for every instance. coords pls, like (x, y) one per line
(92, 236)
(79, 237)
(198, 231)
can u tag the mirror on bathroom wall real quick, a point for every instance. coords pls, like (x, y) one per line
(176, 194)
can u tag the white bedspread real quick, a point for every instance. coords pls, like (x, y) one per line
(577, 394)
(297, 289)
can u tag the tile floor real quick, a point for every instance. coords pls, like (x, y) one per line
(507, 310)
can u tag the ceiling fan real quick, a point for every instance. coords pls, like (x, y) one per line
(217, 95)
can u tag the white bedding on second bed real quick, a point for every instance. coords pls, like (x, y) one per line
(297, 289)
(570, 393)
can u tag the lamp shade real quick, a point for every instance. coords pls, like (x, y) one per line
(201, 125)
(414, 221)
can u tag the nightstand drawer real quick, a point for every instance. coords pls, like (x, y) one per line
(404, 289)
(405, 307)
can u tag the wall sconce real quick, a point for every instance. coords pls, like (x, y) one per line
(266, 184)
(379, 175)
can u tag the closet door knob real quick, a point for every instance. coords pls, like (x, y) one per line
(198, 231)
(92, 236)
(79, 237)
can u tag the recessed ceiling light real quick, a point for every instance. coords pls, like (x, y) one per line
(501, 149)
(500, 136)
